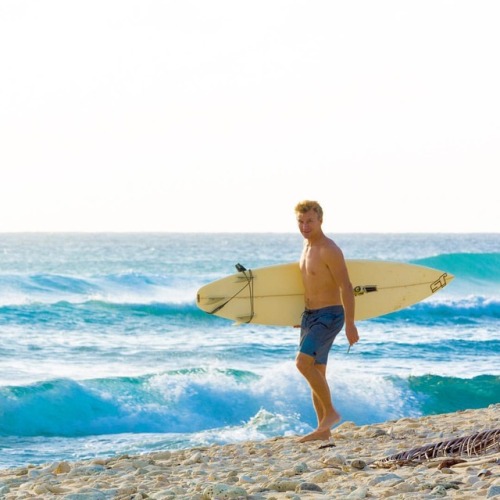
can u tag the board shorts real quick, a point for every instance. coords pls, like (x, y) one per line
(318, 330)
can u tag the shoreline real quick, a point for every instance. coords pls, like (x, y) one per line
(348, 466)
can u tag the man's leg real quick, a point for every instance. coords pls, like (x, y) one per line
(316, 377)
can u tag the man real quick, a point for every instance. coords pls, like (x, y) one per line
(329, 303)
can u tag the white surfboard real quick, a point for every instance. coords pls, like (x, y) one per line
(274, 295)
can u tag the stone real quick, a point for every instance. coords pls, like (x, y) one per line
(393, 478)
(493, 491)
(358, 464)
(358, 493)
(62, 468)
(300, 468)
(224, 491)
(334, 459)
(304, 487)
(283, 485)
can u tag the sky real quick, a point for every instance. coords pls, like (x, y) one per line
(219, 116)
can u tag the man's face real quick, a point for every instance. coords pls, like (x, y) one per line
(309, 223)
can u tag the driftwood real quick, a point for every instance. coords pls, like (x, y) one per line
(475, 444)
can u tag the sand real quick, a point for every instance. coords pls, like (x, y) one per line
(349, 466)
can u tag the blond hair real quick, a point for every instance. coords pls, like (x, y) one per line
(306, 205)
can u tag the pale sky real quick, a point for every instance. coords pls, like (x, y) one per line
(210, 115)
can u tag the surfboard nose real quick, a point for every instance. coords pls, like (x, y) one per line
(441, 282)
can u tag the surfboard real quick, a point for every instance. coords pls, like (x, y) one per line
(274, 295)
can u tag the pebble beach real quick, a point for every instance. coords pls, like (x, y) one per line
(351, 465)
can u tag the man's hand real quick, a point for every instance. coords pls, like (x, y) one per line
(351, 332)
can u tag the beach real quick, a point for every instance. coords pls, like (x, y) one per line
(114, 384)
(351, 465)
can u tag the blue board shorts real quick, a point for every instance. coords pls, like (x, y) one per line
(318, 330)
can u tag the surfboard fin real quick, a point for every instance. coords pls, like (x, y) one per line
(244, 319)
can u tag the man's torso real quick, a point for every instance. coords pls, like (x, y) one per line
(321, 289)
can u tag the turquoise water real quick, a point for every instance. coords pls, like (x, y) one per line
(104, 351)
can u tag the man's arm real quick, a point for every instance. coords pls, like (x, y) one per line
(338, 268)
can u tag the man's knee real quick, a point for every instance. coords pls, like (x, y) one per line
(304, 362)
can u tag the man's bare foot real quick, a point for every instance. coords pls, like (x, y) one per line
(317, 435)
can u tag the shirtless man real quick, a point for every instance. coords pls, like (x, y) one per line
(329, 302)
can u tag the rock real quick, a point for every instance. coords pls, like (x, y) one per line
(451, 485)
(345, 425)
(100, 461)
(34, 473)
(283, 485)
(358, 464)
(62, 468)
(334, 459)
(393, 478)
(246, 479)
(320, 476)
(126, 491)
(378, 432)
(86, 494)
(164, 494)
(446, 470)
(84, 470)
(484, 473)
(358, 493)
(195, 458)
(493, 491)
(304, 487)
(300, 468)
(40, 489)
(439, 491)
(224, 491)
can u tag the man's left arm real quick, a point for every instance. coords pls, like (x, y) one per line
(341, 275)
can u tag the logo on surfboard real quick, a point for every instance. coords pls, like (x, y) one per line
(361, 290)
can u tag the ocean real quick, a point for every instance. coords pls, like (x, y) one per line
(103, 350)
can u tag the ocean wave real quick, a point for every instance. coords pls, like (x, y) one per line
(471, 267)
(19, 450)
(71, 316)
(136, 287)
(174, 402)
(124, 288)
(461, 311)
(197, 400)
(438, 394)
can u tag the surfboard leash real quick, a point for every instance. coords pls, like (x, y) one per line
(249, 284)
(249, 278)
